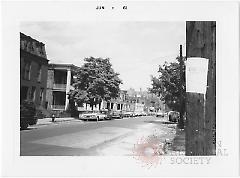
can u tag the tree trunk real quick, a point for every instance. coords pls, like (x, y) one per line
(91, 103)
(99, 105)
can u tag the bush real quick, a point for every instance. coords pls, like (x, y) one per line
(43, 113)
(27, 114)
(39, 114)
(72, 109)
(27, 109)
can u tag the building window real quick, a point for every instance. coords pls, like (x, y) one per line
(32, 93)
(59, 100)
(39, 73)
(60, 77)
(108, 105)
(41, 95)
(27, 70)
(118, 106)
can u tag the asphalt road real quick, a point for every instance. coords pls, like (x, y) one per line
(114, 137)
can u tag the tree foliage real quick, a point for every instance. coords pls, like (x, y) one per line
(168, 85)
(95, 81)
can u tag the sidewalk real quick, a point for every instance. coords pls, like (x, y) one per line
(177, 147)
(140, 140)
(177, 144)
(48, 121)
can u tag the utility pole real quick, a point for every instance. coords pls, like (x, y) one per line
(182, 92)
(201, 108)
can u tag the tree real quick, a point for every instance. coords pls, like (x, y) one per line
(95, 81)
(72, 109)
(168, 85)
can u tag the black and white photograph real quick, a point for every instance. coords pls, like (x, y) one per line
(105, 87)
(100, 87)
(94, 92)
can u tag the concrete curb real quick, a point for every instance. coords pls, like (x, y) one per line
(48, 121)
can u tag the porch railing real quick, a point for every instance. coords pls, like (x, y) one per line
(58, 107)
(59, 86)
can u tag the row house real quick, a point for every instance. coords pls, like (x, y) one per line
(118, 104)
(121, 103)
(59, 83)
(47, 85)
(33, 70)
(124, 103)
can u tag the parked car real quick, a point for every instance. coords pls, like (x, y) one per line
(108, 114)
(127, 114)
(166, 114)
(151, 113)
(92, 115)
(115, 115)
(102, 115)
(132, 114)
(104, 112)
(137, 114)
(143, 113)
(173, 116)
(159, 114)
(28, 114)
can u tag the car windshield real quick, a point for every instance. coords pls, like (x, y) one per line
(87, 112)
(116, 112)
(104, 112)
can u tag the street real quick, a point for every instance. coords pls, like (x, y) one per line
(117, 137)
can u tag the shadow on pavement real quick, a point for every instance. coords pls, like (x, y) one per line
(29, 128)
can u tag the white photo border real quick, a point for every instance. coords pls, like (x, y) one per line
(226, 16)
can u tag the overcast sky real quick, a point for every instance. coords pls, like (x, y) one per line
(135, 48)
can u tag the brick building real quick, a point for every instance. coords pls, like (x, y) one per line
(33, 70)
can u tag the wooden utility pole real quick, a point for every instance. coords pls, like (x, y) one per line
(182, 92)
(200, 108)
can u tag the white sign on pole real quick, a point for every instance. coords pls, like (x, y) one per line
(196, 75)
